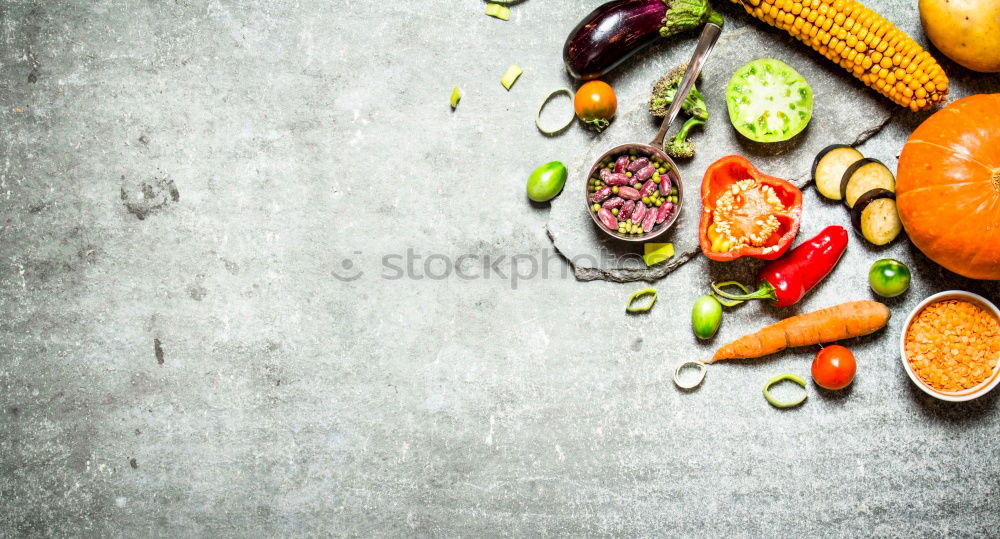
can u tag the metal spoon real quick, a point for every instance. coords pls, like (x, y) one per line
(709, 36)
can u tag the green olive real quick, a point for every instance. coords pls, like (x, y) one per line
(889, 278)
(546, 181)
(706, 316)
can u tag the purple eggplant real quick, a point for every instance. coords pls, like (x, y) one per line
(618, 29)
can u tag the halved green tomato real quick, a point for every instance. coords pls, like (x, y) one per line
(769, 101)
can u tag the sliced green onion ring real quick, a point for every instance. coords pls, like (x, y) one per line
(781, 378)
(721, 294)
(700, 365)
(633, 308)
(538, 115)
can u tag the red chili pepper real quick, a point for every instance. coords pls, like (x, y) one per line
(750, 209)
(787, 280)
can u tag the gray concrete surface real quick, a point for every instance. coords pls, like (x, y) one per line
(181, 183)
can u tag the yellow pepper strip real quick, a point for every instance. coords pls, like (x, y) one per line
(654, 253)
(513, 72)
(498, 11)
(456, 96)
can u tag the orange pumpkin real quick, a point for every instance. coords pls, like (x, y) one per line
(948, 187)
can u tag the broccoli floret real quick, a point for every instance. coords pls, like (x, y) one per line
(684, 15)
(680, 147)
(663, 96)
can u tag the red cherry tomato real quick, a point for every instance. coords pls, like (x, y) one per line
(834, 367)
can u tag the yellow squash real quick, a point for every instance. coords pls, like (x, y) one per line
(967, 31)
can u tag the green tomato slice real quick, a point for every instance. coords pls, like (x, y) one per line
(769, 101)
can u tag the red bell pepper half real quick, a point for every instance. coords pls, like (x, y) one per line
(746, 212)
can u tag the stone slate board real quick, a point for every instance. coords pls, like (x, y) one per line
(844, 111)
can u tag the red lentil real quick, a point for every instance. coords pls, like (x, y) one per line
(953, 345)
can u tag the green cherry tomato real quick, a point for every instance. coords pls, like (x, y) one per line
(889, 278)
(546, 181)
(706, 317)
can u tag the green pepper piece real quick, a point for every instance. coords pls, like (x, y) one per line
(632, 308)
(780, 378)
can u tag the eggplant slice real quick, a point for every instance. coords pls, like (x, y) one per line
(829, 167)
(875, 216)
(863, 176)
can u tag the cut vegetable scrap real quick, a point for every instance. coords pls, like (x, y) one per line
(510, 77)
(498, 11)
(456, 96)
(702, 369)
(654, 253)
(781, 378)
(538, 115)
(635, 297)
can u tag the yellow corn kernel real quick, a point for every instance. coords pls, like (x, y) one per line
(862, 42)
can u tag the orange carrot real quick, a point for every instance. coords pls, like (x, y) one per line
(852, 319)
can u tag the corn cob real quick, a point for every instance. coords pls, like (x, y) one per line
(862, 42)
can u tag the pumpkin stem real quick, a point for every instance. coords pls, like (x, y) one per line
(996, 179)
